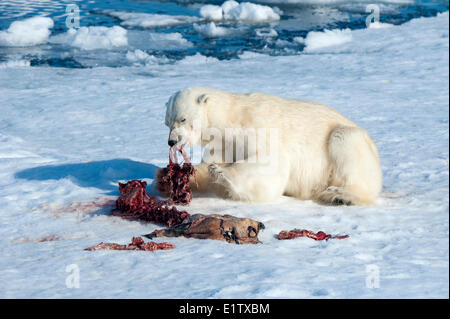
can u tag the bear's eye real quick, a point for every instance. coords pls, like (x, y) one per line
(183, 120)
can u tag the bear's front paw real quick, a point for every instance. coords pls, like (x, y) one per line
(216, 174)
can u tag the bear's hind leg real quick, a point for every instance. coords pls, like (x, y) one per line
(337, 196)
(356, 177)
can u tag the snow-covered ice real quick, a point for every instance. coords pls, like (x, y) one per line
(169, 41)
(67, 136)
(229, 10)
(139, 57)
(27, 32)
(317, 40)
(150, 20)
(299, 40)
(245, 11)
(379, 25)
(93, 38)
(15, 64)
(210, 30)
(330, 1)
(197, 59)
(211, 12)
(266, 33)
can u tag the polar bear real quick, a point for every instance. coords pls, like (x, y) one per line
(320, 154)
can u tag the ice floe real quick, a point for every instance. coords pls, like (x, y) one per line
(168, 41)
(149, 20)
(379, 25)
(245, 11)
(210, 30)
(28, 32)
(93, 38)
(14, 64)
(318, 40)
(139, 57)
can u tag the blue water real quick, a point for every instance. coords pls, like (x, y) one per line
(296, 20)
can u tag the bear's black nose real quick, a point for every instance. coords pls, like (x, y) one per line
(172, 143)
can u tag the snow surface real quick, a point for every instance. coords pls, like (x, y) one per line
(67, 136)
(27, 32)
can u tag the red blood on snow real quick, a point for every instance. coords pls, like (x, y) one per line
(291, 234)
(137, 243)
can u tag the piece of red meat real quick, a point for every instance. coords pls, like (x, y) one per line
(295, 233)
(176, 177)
(137, 243)
(177, 180)
(135, 203)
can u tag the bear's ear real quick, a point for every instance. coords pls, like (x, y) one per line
(202, 99)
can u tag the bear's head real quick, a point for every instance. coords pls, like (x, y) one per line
(186, 115)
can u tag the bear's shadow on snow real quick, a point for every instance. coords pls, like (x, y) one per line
(99, 174)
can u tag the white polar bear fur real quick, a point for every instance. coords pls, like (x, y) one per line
(322, 155)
